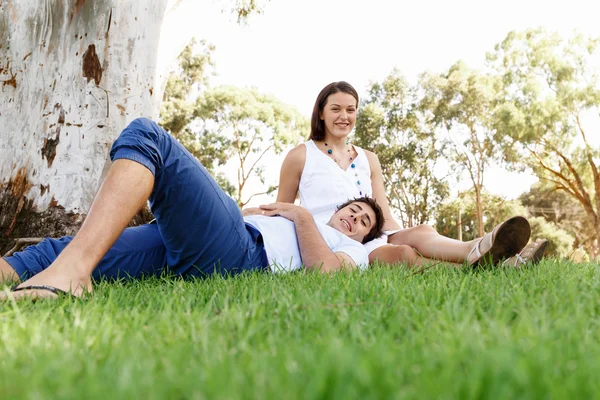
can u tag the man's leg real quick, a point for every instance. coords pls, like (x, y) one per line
(124, 191)
(201, 226)
(138, 252)
(7, 273)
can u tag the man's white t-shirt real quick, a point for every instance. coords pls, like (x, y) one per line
(281, 243)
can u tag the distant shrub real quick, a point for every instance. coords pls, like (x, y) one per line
(561, 242)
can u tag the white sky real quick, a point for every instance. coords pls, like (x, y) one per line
(298, 46)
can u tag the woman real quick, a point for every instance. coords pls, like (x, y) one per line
(327, 169)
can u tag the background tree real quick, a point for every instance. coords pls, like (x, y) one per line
(550, 88)
(191, 75)
(226, 124)
(248, 125)
(561, 209)
(560, 242)
(390, 124)
(496, 209)
(459, 101)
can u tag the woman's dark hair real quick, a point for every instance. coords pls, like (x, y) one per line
(317, 126)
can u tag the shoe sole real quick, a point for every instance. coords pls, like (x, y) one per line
(512, 236)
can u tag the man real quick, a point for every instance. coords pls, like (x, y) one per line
(199, 229)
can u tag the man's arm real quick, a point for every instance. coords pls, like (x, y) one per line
(315, 253)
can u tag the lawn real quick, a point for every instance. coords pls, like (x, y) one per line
(384, 333)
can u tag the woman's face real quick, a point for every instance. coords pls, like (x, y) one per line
(339, 114)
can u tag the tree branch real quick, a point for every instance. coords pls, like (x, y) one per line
(258, 159)
(576, 175)
(583, 199)
(593, 166)
(558, 174)
(561, 186)
(240, 170)
(250, 198)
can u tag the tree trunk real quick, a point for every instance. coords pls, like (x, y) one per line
(479, 211)
(73, 74)
(595, 246)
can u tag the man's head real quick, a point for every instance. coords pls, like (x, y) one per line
(360, 219)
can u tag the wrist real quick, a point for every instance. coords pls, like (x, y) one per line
(302, 215)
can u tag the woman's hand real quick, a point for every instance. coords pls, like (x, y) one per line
(286, 210)
(252, 211)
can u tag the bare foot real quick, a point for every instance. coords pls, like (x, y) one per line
(70, 281)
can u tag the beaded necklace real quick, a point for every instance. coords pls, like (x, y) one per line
(352, 165)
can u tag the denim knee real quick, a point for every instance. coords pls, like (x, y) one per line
(141, 141)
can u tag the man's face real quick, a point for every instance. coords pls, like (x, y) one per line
(355, 220)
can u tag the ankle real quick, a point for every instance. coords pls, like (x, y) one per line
(74, 263)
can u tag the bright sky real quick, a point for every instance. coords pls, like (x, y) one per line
(298, 46)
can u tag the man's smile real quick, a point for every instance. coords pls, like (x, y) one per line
(347, 224)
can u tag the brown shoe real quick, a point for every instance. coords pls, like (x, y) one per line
(532, 254)
(504, 240)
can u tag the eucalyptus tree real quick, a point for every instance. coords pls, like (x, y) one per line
(243, 126)
(459, 102)
(548, 113)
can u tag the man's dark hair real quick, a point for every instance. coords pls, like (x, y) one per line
(317, 126)
(377, 228)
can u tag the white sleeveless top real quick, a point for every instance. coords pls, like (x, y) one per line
(324, 185)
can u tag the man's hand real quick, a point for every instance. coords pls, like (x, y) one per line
(286, 210)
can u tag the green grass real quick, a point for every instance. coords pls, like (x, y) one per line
(381, 334)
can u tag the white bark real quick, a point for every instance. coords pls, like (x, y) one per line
(73, 73)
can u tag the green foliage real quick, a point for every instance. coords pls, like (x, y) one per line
(226, 123)
(496, 209)
(390, 124)
(191, 75)
(248, 125)
(380, 334)
(549, 86)
(241, 9)
(560, 241)
(244, 8)
(459, 101)
(561, 209)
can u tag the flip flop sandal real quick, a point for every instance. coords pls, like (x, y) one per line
(532, 254)
(56, 291)
(505, 239)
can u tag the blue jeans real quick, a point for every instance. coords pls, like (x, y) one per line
(199, 229)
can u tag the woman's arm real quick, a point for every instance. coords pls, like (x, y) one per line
(290, 173)
(379, 191)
